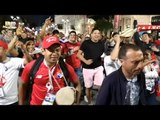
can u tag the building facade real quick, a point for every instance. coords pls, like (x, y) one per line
(66, 23)
(127, 21)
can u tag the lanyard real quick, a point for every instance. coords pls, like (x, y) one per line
(51, 78)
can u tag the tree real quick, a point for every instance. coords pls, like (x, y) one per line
(104, 24)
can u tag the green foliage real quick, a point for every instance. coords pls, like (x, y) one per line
(104, 25)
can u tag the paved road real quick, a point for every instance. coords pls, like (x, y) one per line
(95, 92)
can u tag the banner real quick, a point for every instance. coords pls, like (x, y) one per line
(116, 21)
(148, 27)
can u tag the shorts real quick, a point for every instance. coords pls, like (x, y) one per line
(93, 76)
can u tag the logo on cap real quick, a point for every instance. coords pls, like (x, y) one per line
(50, 39)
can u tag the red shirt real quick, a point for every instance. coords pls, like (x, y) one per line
(153, 55)
(73, 60)
(63, 51)
(42, 78)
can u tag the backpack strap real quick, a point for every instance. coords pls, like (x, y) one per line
(33, 71)
(64, 69)
(35, 67)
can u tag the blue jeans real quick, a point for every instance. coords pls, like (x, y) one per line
(80, 77)
(79, 73)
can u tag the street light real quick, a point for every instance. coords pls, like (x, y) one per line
(15, 18)
(65, 22)
(12, 17)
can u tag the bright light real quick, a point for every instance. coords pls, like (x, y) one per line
(67, 20)
(12, 17)
(17, 17)
(63, 20)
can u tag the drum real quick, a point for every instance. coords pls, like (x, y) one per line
(65, 96)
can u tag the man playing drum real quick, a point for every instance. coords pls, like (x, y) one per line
(49, 78)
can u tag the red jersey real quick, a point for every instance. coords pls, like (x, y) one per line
(72, 59)
(42, 78)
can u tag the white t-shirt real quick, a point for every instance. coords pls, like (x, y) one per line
(110, 65)
(151, 74)
(9, 71)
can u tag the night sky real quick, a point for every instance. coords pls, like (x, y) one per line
(29, 20)
(36, 20)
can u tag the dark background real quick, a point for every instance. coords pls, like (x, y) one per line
(29, 20)
(36, 20)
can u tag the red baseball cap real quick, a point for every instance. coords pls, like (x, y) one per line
(3, 44)
(50, 40)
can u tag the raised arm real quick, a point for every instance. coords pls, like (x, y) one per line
(115, 51)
